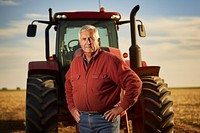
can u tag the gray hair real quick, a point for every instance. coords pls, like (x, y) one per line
(89, 27)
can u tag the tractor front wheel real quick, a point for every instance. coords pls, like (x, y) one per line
(41, 104)
(153, 113)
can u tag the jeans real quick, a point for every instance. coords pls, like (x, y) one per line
(96, 123)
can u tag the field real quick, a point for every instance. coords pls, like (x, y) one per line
(186, 108)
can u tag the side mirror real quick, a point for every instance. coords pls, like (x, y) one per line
(141, 30)
(31, 31)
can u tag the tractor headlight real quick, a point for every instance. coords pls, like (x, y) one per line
(58, 16)
(116, 17)
(61, 16)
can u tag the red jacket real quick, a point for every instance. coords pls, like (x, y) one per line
(97, 87)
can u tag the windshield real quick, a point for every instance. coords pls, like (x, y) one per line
(67, 37)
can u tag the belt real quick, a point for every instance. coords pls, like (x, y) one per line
(91, 113)
(94, 113)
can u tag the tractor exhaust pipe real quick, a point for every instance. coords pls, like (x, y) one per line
(134, 50)
(47, 35)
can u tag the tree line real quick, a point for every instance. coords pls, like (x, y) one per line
(5, 89)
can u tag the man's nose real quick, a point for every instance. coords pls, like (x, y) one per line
(89, 41)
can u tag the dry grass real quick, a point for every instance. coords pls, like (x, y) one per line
(186, 108)
(12, 111)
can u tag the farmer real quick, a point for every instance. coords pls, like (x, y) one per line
(93, 86)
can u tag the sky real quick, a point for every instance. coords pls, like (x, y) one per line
(172, 42)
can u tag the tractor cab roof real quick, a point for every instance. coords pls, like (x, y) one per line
(87, 15)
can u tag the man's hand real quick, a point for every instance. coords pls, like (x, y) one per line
(75, 113)
(111, 115)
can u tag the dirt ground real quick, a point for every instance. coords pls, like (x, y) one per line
(186, 108)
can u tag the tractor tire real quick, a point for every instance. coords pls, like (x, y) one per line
(41, 104)
(153, 112)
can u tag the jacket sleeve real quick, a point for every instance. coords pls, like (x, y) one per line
(126, 79)
(68, 91)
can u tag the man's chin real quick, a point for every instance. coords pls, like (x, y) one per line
(88, 50)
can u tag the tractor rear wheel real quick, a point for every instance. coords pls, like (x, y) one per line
(41, 104)
(153, 113)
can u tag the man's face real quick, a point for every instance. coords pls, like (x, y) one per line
(88, 41)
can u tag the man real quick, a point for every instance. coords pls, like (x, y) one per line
(93, 85)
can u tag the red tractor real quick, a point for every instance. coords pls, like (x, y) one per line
(45, 97)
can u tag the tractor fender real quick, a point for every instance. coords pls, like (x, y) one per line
(147, 70)
(43, 67)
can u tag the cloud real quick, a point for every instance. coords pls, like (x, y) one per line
(178, 38)
(170, 33)
(36, 16)
(181, 30)
(17, 28)
(8, 3)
